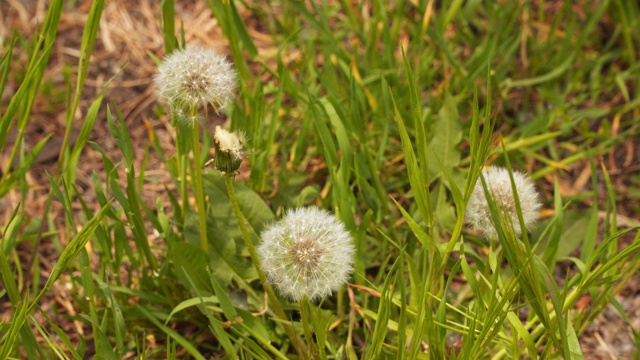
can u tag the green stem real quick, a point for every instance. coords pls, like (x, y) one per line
(308, 312)
(305, 314)
(181, 164)
(275, 303)
(198, 187)
(184, 194)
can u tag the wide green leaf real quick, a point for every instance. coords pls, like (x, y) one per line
(447, 134)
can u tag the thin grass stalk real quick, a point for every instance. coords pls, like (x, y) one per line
(266, 344)
(198, 187)
(275, 303)
(88, 41)
(538, 330)
(52, 20)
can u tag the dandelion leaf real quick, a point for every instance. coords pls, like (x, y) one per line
(224, 256)
(253, 208)
(193, 260)
(447, 134)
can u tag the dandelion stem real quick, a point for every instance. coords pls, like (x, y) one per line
(305, 317)
(198, 188)
(182, 161)
(184, 193)
(275, 303)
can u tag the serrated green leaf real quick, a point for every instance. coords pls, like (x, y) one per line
(224, 257)
(191, 258)
(447, 134)
(253, 208)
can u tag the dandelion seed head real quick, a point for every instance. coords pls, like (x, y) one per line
(307, 253)
(478, 213)
(195, 76)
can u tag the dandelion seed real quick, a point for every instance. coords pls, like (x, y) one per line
(478, 213)
(307, 253)
(192, 77)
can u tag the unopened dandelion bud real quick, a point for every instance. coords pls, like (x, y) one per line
(189, 78)
(478, 213)
(229, 150)
(309, 253)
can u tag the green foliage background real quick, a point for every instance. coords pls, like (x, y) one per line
(386, 117)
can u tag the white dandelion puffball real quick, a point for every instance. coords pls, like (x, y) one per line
(191, 77)
(478, 213)
(307, 253)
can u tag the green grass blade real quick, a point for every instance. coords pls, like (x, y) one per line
(169, 27)
(72, 250)
(19, 318)
(170, 332)
(550, 254)
(62, 335)
(523, 333)
(5, 62)
(591, 235)
(417, 181)
(228, 309)
(8, 278)
(382, 323)
(83, 136)
(134, 212)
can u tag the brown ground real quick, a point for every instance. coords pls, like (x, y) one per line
(131, 30)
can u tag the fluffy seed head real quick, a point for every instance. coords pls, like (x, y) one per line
(192, 77)
(307, 253)
(478, 213)
(229, 150)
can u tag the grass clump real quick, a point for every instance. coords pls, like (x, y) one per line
(374, 135)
